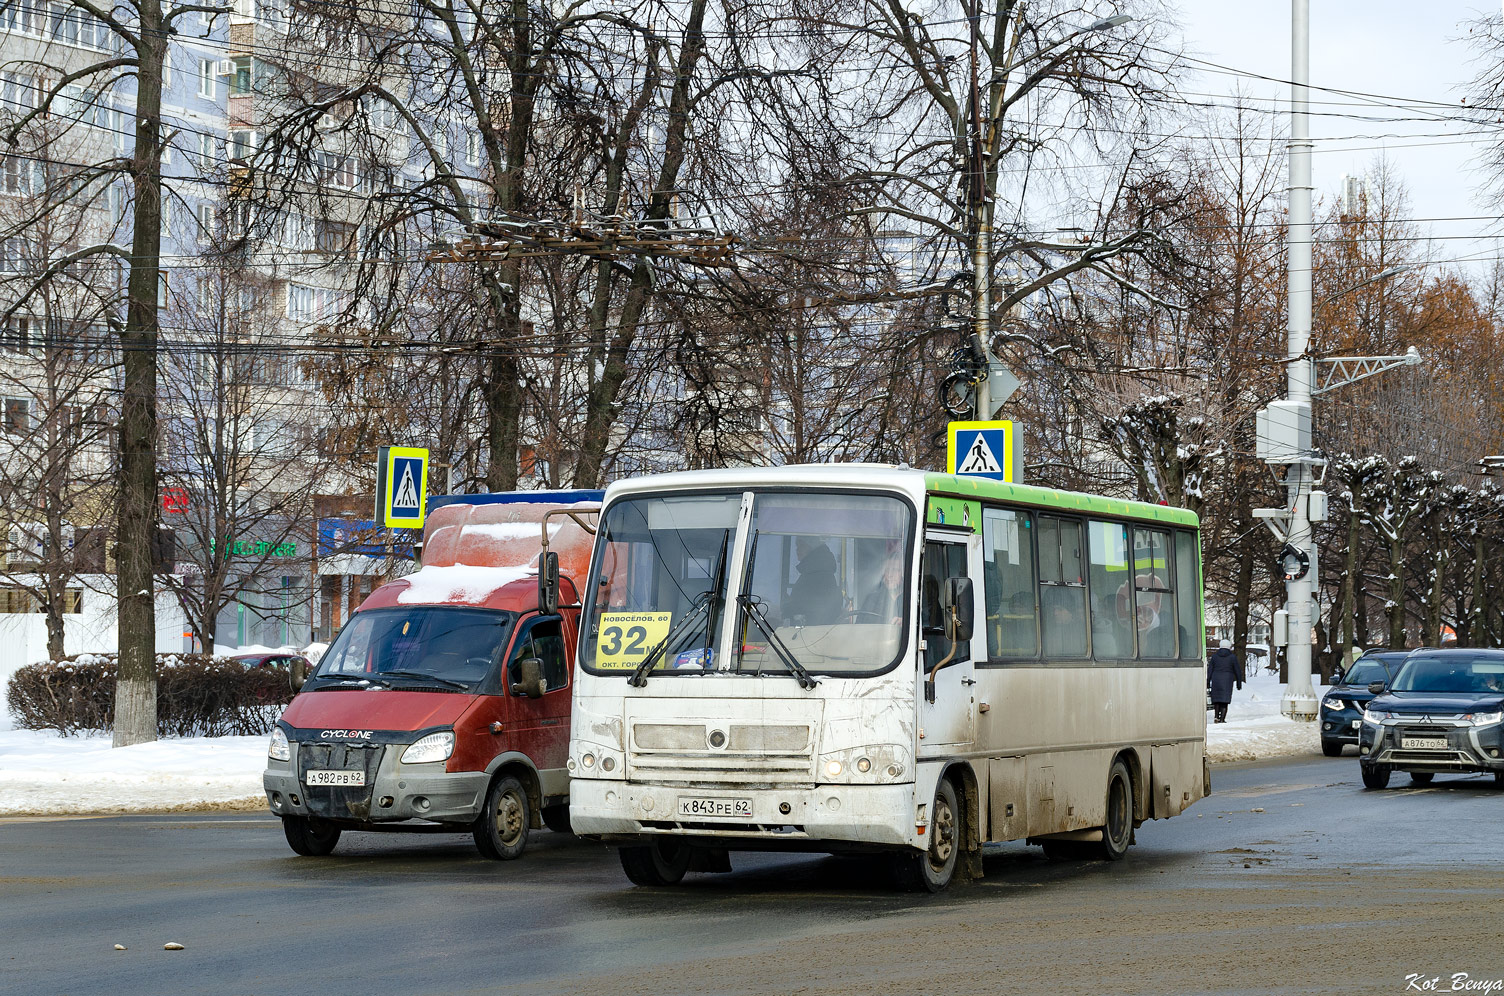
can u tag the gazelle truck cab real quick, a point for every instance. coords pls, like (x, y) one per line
(443, 704)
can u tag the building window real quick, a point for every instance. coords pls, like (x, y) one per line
(17, 416)
(336, 238)
(472, 148)
(240, 82)
(207, 151)
(22, 334)
(208, 219)
(309, 304)
(242, 145)
(206, 78)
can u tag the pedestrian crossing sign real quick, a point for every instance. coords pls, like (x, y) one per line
(401, 486)
(982, 449)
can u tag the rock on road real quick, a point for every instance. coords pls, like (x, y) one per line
(1290, 878)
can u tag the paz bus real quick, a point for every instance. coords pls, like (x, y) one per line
(851, 658)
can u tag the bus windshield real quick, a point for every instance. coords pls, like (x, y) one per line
(422, 645)
(824, 584)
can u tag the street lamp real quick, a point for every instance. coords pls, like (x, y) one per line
(1391, 272)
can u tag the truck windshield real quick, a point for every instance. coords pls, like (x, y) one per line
(824, 587)
(440, 646)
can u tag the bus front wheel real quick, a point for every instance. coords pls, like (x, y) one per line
(932, 869)
(663, 862)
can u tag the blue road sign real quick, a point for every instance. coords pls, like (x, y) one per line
(981, 449)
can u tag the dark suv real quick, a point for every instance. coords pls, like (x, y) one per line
(1342, 706)
(1444, 711)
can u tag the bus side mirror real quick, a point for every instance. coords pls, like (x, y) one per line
(958, 608)
(548, 583)
(297, 673)
(530, 669)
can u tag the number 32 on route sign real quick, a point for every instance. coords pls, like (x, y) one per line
(982, 449)
(626, 637)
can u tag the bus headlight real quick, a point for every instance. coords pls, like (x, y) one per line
(591, 760)
(873, 763)
(434, 747)
(279, 749)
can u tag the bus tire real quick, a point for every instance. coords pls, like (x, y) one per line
(310, 837)
(662, 862)
(1117, 832)
(501, 831)
(932, 869)
(556, 818)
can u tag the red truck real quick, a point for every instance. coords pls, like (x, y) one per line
(443, 704)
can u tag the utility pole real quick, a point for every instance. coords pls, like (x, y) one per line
(981, 237)
(1284, 428)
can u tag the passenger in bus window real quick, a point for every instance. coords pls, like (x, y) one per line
(815, 598)
(885, 602)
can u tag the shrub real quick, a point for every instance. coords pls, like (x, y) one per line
(197, 695)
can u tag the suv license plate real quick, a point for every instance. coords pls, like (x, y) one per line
(1423, 743)
(357, 778)
(703, 808)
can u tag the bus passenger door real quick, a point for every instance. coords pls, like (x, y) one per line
(951, 718)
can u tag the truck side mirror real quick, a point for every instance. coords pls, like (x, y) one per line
(530, 669)
(959, 609)
(548, 583)
(1376, 688)
(297, 673)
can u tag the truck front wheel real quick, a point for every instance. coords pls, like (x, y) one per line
(501, 831)
(309, 837)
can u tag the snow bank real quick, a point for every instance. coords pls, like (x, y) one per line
(1255, 729)
(42, 773)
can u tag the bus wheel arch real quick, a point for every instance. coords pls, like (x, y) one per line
(1137, 779)
(963, 779)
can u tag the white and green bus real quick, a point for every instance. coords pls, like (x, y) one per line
(861, 657)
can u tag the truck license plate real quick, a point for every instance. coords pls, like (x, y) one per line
(1423, 743)
(703, 808)
(357, 778)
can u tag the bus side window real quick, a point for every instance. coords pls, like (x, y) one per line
(1188, 595)
(1062, 588)
(1111, 591)
(1008, 583)
(1154, 598)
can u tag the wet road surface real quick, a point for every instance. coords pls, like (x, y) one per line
(1290, 878)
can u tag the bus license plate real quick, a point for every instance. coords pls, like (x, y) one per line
(1423, 743)
(702, 808)
(357, 778)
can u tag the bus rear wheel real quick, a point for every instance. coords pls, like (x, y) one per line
(932, 869)
(1117, 832)
(663, 862)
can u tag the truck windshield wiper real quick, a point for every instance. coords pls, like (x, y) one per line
(639, 677)
(755, 613)
(426, 676)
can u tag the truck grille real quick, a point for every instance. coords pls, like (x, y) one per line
(350, 802)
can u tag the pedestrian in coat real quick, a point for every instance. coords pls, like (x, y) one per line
(1222, 673)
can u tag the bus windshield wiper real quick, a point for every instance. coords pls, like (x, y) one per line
(755, 613)
(426, 676)
(639, 676)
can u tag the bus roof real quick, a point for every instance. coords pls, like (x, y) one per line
(1074, 501)
(907, 479)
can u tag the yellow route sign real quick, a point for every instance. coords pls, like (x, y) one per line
(626, 637)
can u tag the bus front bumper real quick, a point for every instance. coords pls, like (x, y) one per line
(880, 815)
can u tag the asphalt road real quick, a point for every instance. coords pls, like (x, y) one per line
(1290, 878)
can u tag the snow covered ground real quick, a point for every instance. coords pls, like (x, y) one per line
(42, 773)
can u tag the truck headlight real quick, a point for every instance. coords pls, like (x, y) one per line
(434, 747)
(279, 749)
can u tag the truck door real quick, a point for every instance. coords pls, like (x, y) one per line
(540, 727)
(951, 718)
